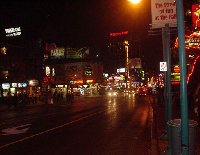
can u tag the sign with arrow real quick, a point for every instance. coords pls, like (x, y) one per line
(16, 130)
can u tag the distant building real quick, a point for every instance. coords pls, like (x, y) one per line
(67, 70)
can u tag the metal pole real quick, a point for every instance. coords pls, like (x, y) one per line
(168, 56)
(168, 84)
(165, 77)
(183, 84)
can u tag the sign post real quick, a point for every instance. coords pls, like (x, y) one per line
(164, 16)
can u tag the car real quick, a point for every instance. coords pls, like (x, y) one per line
(141, 91)
(129, 91)
(112, 93)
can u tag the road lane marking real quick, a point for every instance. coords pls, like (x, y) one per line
(52, 129)
(16, 130)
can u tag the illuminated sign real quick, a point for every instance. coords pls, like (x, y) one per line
(76, 53)
(47, 71)
(175, 76)
(14, 85)
(121, 70)
(89, 81)
(196, 16)
(176, 69)
(48, 79)
(10, 32)
(78, 82)
(86, 86)
(191, 41)
(22, 84)
(163, 12)
(57, 52)
(116, 34)
(5, 85)
(33, 83)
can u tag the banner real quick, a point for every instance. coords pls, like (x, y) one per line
(163, 12)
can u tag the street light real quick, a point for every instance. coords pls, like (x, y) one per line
(126, 63)
(126, 43)
(135, 1)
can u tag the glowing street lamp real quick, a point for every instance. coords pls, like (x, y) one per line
(126, 44)
(135, 1)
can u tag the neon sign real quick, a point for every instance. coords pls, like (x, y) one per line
(10, 32)
(191, 41)
(196, 16)
(117, 34)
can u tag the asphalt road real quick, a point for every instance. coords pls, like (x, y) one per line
(90, 126)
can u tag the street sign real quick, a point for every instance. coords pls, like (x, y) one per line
(163, 66)
(16, 130)
(163, 12)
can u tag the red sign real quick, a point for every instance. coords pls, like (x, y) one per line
(196, 15)
(48, 79)
(117, 34)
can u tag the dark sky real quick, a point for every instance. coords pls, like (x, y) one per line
(80, 22)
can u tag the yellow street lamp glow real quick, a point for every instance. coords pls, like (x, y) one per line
(135, 1)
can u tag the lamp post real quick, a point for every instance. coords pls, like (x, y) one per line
(126, 63)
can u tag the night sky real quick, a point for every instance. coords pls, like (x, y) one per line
(78, 23)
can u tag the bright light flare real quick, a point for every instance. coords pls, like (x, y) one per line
(135, 1)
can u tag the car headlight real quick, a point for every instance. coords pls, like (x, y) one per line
(114, 93)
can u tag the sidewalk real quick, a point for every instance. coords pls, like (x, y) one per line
(5, 107)
(160, 125)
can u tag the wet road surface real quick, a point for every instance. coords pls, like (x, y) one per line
(96, 125)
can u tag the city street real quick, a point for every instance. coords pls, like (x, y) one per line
(92, 125)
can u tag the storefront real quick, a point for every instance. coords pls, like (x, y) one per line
(13, 88)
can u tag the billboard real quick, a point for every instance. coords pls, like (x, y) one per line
(163, 12)
(76, 53)
(13, 31)
(58, 53)
(196, 16)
